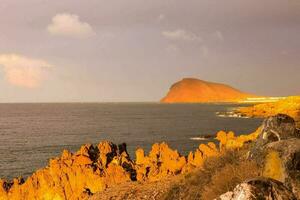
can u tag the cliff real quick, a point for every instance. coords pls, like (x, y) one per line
(190, 90)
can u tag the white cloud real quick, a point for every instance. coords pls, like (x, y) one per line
(181, 34)
(22, 71)
(69, 25)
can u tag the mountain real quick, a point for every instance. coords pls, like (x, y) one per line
(191, 90)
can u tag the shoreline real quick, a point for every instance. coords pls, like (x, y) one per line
(108, 164)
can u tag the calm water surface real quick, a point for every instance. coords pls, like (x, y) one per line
(30, 134)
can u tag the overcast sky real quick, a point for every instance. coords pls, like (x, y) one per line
(133, 50)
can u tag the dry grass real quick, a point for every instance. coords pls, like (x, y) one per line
(218, 176)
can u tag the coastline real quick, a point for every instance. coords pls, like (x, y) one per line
(94, 168)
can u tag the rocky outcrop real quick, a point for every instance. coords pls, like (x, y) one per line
(160, 162)
(228, 141)
(277, 150)
(94, 168)
(259, 188)
(282, 162)
(191, 90)
(275, 128)
(289, 106)
(73, 176)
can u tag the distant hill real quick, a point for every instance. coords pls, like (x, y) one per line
(191, 90)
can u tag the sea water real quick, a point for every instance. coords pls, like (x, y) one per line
(31, 134)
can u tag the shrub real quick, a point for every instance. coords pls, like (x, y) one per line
(218, 175)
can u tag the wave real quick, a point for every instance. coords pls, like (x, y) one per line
(230, 114)
(205, 137)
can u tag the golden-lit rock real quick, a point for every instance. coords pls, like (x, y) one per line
(209, 150)
(230, 141)
(191, 90)
(82, 160)
(94, 168)
(289, 106)
(161, 161)
(73, 176)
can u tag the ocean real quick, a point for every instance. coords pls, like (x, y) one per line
(31, 134)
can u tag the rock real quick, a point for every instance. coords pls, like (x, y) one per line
(289, 106)
(191, 90)
(278, 127)
(282, 162)
(277, 150)
(161, 161)
(74, 176)
(94, 168)
(228, 141)
(274, 128)
(259, 188)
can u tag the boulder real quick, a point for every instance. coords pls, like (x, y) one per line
(259, 188)
(278, 127)
(277, 150)
(275, 128)
(282, 162)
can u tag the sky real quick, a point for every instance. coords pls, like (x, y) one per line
(133, 50)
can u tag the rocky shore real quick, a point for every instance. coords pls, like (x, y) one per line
(92, 169)
(289, 106)
(106, 171)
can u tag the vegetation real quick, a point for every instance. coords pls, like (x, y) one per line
(218, 175)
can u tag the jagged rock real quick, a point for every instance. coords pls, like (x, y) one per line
(228, 141)
(259, 188)
(162, 161)
(73, 176)
(94, 168)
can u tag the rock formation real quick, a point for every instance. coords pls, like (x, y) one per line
(73, 176)
(277, 150)
(259, 188)
(92, 169)
(190, 90)
(289, 106)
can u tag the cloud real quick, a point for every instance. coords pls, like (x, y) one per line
(181, 34)
(22, 71)
(69, 25)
